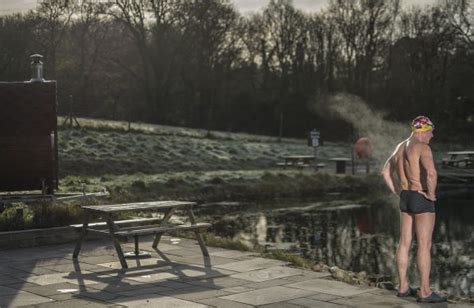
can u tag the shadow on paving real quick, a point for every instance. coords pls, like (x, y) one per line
(177, 276)
(44, 275)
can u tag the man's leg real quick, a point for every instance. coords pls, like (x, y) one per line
(424, 224)
(406, 227)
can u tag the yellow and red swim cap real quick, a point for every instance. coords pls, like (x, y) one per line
(422, 124)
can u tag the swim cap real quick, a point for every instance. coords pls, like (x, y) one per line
(422, 124)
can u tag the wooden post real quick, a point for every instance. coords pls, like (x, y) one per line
(82, 235)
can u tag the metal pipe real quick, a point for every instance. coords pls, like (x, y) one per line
(36, 68)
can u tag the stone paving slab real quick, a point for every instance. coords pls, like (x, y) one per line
(96, 259)
(97, 295)
(268, 295)
(189, 251)
(156, 301)
(144, 289)
(40, 262)
(200, 260)
(48, 277)
(233, 254)
(219, 302)
(428, 305)
(194, 272)
(309, 302)
(21, 298)
(370, 300)
(72, 277)
(195, 293)
(52, 289)
(308, 275)
(219, 283)
(163, 247)
(173, 284)
(15, 273)
(76, 303)
(6, 280)
(281, 305)
(326, 297)
(32, 270)
(133, 263)
(251, 265)
(69, 267)
(120, 285)
(4, 291)
(238, 289)
(269, 283)
(153, 277)
(268, 273)
(330, 287)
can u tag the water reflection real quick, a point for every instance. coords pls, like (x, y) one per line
(358, 237)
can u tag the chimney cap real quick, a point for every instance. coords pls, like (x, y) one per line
(36, 57)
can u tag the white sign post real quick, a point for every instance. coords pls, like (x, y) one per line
(314, 142)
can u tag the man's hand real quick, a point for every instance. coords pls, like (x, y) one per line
(429, 197)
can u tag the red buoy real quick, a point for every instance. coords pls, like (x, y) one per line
(363, 148)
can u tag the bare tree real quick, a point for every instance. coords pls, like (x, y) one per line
(365, 27)
(460, 14)
(283, 44)
(210, 30)
(53, 18)
(146, 21)
(88, 35)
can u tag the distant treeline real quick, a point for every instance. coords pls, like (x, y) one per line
(199, 63)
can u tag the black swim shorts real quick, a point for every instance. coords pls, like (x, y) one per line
(413, 202)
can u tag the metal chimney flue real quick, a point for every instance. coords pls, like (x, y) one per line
(36, 68)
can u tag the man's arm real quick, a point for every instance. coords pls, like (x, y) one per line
(387, 173)
(427, 163)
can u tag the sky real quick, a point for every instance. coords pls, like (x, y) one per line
(244, 6)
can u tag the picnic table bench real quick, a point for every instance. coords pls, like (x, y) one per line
(459, 159)
(299, 161)
(124, 229)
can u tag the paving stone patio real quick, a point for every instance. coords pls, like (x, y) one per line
(175, 276)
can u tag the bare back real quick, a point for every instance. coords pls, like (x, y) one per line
(410, 166)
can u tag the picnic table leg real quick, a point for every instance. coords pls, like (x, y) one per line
(167, 217)
(115, 241)
(198, 234)
(83, 233)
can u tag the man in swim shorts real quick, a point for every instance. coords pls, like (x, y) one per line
(415, 183)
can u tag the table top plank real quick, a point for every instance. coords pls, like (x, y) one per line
(461, 153)
(298, 156)
(340, 159)
(113, 208)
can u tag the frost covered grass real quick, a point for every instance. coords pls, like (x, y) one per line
(106, 147)
(242, 185)
(153, 162)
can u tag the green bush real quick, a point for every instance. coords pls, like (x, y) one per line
(16, 217)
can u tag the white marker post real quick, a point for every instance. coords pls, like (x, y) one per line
(314, 136)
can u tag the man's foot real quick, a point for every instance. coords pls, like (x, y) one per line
(432, 298)
(409, 292)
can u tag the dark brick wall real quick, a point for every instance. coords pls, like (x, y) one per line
(28, 132)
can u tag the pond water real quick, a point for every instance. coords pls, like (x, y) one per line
(356, 236)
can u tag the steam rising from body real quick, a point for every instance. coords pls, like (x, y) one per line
(385, 135)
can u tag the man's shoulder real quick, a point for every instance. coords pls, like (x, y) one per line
(420, 149)
(401, 145)
(423, 146)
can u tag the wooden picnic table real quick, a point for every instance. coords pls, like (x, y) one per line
(299, 161)
(116, 231)
(459, 159)
(294, 160)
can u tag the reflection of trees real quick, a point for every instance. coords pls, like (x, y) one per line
(453, 261)
(365, 238)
